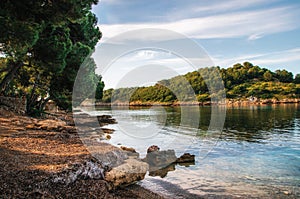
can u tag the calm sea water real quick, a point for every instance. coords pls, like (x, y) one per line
(240, 151)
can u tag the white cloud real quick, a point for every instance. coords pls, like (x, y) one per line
(255, 36)
(250, 24)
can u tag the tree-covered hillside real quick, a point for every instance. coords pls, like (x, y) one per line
(240, 81)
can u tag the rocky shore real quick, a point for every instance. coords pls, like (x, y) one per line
(46, 158)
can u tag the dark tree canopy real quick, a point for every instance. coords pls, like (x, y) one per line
(44, 43)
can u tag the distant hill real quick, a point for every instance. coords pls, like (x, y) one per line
(240, 81)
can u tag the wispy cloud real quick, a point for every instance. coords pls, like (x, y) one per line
(249, 24)
(277, 58)
(207, 8)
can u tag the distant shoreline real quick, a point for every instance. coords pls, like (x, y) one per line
(229, 102)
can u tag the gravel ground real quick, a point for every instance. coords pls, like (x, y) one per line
(30, 158)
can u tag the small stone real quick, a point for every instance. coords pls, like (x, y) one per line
(130, 149)
(153, 148)
(108, 137)
(30, 127)
(286, 192)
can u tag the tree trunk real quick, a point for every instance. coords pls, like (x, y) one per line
(31, 100)
(10, 75)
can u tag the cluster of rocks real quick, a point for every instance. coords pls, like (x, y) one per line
(117, 166)
(87, 125)
(84, 119)
(122, 167)
(156, 157)
(161, 162)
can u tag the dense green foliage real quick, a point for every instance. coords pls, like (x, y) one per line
(240, 81)
(43, 44)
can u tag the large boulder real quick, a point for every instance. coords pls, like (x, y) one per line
(131, 171)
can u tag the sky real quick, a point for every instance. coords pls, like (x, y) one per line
(265, 33)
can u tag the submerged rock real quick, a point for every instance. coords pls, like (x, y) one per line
(131, 171)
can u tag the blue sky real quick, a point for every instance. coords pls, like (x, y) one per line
(266, 33)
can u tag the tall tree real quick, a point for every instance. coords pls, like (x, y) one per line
(284, 76)
(40, 40)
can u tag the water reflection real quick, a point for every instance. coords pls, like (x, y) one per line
(162, 172)
(154, 171)
(251, 124)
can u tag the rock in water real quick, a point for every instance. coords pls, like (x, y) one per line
(131, 171)
(186, 158)
(160, 159)
(153, 148)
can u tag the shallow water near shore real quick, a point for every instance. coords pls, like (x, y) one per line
(257, 153)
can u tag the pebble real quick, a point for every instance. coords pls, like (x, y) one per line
(286, 192)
